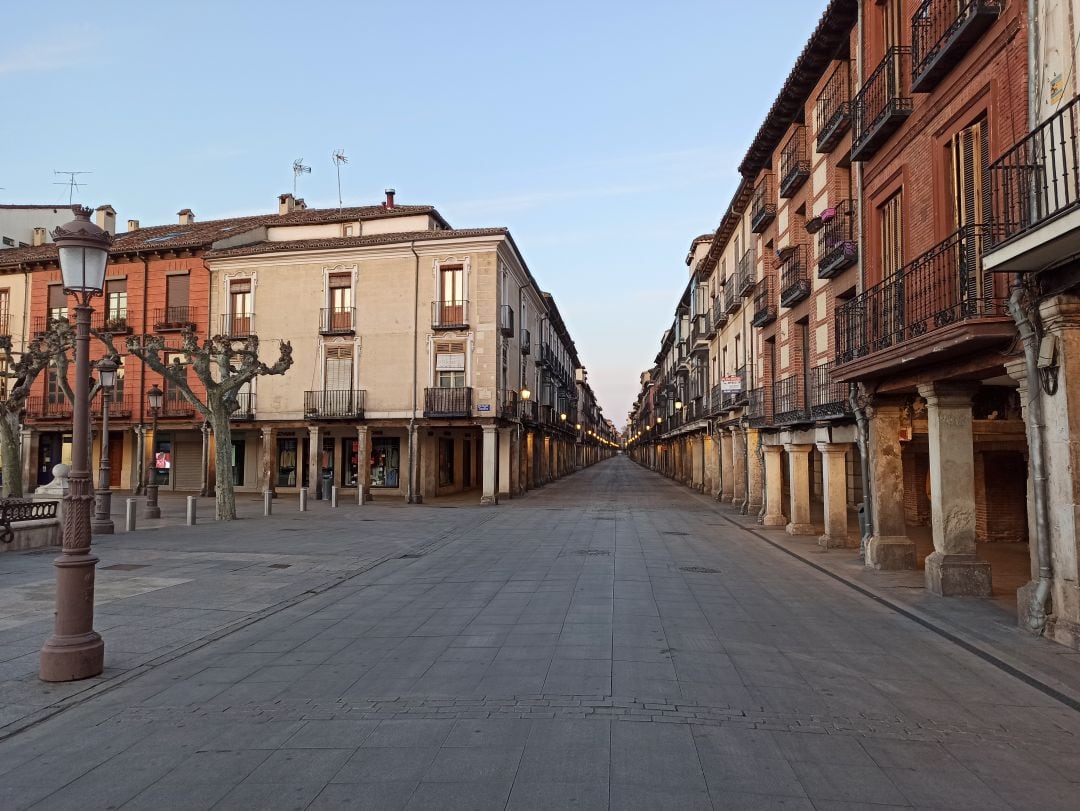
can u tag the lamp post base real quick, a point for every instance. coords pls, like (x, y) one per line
(102, 523)
(151, 510)
(75, 650)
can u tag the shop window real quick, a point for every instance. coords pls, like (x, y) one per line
(350, 458)
(385, 462)
(286, 464)
(162, 461)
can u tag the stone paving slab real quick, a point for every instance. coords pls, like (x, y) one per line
(739, 677)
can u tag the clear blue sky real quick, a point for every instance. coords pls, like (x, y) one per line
(604, 135)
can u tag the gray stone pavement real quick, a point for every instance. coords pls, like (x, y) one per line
(610, 641)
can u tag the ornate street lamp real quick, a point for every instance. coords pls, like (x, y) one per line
(155, 397)
(525, 394)
(678, 405)
(75, 650)
(102, 523)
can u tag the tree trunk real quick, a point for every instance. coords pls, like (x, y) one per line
(224, 496)
(11, 451)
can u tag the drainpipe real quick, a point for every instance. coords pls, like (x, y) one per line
(411, 497)
(862, 439)
(1035, 437)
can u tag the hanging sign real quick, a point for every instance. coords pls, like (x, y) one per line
(731, 384)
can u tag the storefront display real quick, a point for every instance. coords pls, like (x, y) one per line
(385, 461)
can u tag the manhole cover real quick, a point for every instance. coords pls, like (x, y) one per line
(699, 570)
(591, 553)
(280, 565)
(125, 567)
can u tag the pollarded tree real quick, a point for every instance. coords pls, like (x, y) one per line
(223, 366)
(18, 371)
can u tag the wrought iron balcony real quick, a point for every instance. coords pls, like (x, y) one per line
(827, 399)
(448, 402)
(836, 244)
(334, 404)
(529, 412)
(526, 342)
(757, 413)
(5, 325)
(337, 321)
(699, 330)
(238, 325)
(732, 302)
(764, 303)
(506, 320)
(719, 314)
(794, 278)
(245, 406)
(832, 110)
(945, 287)
(176, 407)
(449, 314)
(746, 273)
(119, 406)
(942, 31)
(763, 205)
(734, 399)
(53, 407)
(794, 163)
(882, 104)
(788, 405)
(1037, 181)
(113, 322)
(175, 319)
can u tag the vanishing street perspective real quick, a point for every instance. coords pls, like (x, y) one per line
(720, 454)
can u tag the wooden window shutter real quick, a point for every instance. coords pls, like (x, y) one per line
(340, 280)
(57, 296)
(892, 231)
(177, 291)
(115, 286)
(240, 286)
(339, 371)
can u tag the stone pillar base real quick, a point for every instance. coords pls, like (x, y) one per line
(488, 501)
(774, 521)
(957, 575)
(801, 529)
(890, 553)
(842, 542)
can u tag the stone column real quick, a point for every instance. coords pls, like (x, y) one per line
(889, 548)
(952, 569)
(268, 448)
(834, 481)
(204, 485)
(738, 468)
(727, 467)
(516, 485)
(774, 487)
(416, 467)
(755, 498)
(505, 467)
(490, 466)
(29, 464)
(314, 454)
(363, 463)
(799, 481)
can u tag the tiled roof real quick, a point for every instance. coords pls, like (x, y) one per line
(355, 242)
(204, 234)
(35, 206)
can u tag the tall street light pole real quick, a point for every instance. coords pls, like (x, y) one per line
(102, 523)
(155, 397)
(75, 650)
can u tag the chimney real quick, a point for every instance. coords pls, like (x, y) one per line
(300, 204)
(286, 204)
(187, 216)
(39, 236)
(105, 217)
(133, 225)
(389, 198)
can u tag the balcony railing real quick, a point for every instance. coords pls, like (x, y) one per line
(48, 408)
(43, 325)
(529, 412)
(119, 406)
(942, 287)
(733, 399)
(5, 325)
(1039, 178)
(245, 406)
(763, 205)
(732, 302)
(836, 244)
(526, 342)
(882, 105)
(176, 407)
(827, 399)
(337, 320)
(444, 402)
(746, 273)
(764, 304)
(756, 411)
(510, 409)
(794, 277)
(794, 163)
(449, 314)
(238, 325)
(174, 319)
(942, 31)
(788, 406)
(719, 314)
(334, 404)
(832, 110)
(506, 320)
(699, 331)
(114, 322)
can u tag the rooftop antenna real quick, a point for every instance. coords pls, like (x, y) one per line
(298, 169)
(71, 182)
(339, 158)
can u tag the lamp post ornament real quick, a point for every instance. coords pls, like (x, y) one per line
(75, 650)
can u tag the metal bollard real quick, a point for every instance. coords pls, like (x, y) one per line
(268, 502)
(333, 496)
(132, 506)
(192, 508)
(303, 499)
(360, 495)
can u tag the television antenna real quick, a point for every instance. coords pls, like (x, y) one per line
(72, 183)
(339, 158)
(298, 169)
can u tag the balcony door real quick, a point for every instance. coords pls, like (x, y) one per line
(116, 303)
(340, 301)
(239, 307)
(450, 365)
(968, 159)
(177, 292)
(452, 295)
(339, 376)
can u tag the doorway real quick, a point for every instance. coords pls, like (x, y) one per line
(116, 459)
(466, 463)
(50, 447)
(238, 451)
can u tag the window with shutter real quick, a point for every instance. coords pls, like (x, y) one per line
(240, 307)
(892, 236)
(177, 290)
(451, 294)
(450, 364)
(339, 368)
(969, 158)
(57, 302)
(340, 301)
(116, 301)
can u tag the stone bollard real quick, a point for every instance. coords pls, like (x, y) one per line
(192, 501)
(268, 502)
(333, 496)
(303, 499)
(132, 505)
(360, 495)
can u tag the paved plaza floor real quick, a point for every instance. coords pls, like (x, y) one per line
(610, 641)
